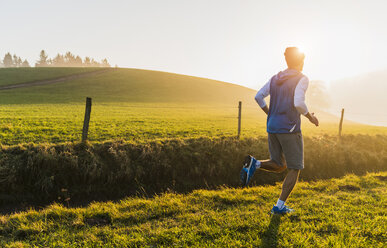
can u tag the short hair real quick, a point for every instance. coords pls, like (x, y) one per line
(294, 56)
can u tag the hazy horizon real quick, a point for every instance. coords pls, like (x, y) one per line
(232, 41)
(240, 42)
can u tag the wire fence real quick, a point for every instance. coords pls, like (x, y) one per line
(138, 122)
(238, 114)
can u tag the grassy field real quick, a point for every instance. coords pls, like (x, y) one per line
(159, 132)
(139, 105)
(346, 212)
(9, 76)
(130, 86)
(56, 123)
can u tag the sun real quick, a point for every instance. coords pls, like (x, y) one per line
(303, 49)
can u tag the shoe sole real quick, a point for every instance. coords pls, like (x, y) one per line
(272, 212)
(249, 161)
(244, 175)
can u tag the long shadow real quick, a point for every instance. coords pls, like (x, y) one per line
(270, 236)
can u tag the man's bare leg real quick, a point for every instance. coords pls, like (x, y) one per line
(270, 165)
(251, 164)
(289, 183)
(290, 179)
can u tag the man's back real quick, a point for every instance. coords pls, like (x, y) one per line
(283, 116)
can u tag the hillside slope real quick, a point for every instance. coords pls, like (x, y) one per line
(343, 212)
(135, 86)
(133, 104)
(11, 76)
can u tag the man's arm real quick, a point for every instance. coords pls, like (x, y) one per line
(261, 95)
(299, 100)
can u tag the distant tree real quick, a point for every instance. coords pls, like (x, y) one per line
(25, 64)
(42, 62)
(69, 59)
(18, 62)
(94, 63)
(105, 63)
(15, 60)
(87, 62)
(317, 94)
(59, 61)
(78, 62)
(8, 61)
(49, 62)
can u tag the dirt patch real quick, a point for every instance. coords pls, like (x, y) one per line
(294, 218)
(349, 188)
(55, 80)
(99, 220)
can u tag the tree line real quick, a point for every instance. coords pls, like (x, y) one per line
(60, 60)
(13, 61)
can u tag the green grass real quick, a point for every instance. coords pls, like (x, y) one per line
(132, 86)
(56, 123)
(140, 105)
(346, 212)
(10, 76)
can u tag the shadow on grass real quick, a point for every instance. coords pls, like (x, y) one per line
(270, 236)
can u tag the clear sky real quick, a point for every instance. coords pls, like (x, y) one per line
(237, 41)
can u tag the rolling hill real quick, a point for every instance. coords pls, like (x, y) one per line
(133, 104)
(10, 76)
(130, 86)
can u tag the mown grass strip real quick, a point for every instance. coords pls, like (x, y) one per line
(328, 214)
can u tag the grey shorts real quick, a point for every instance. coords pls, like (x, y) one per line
(288, 147)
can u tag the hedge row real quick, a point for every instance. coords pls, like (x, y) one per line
(41, 173)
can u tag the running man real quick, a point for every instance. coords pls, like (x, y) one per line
(287, 103)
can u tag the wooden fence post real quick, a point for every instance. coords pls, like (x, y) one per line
(341, 122)
(239, 118)
(86, 120)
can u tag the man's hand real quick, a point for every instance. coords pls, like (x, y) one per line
(266, 109)
(312, 118)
